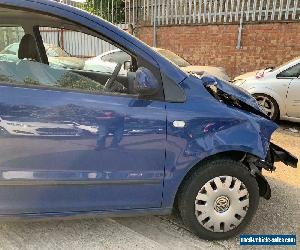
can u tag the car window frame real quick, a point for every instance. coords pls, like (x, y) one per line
(288, 77)
(98, 35)
(43, 54)
(131, 50)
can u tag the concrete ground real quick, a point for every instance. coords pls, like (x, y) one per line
(279, 215)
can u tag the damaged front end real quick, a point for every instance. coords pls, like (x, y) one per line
(236, 97)
(256, 165)
(232, 95)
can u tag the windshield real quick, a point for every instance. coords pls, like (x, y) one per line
(180, 62)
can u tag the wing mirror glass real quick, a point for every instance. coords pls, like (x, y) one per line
(145, 83)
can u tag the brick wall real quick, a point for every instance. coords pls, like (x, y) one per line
(262, 44)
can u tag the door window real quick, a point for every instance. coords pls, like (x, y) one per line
(72, 66)
(73, 61)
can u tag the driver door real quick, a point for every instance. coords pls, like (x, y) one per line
(70, 145)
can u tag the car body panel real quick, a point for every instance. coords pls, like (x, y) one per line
(52, 173)
(278, 95)
(157, 143)
(293, 98)
(99, 65)
(216, 129)
(66, 62)
(244, 76)
(232, 90)
(196, 69)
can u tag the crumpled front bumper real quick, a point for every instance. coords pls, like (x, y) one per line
(275, 154)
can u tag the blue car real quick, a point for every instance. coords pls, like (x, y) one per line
(76, 142)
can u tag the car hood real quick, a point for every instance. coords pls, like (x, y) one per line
(67, 62)
(253, 74)
(247, 75)
(227, 91)
(215, 71)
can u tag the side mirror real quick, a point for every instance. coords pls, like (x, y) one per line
(145, 83)
(127, 65)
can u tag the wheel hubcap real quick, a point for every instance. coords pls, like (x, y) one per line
(267, 105)
(222, 204)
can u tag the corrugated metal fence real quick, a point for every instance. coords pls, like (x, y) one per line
(82, 45)
(77, 43)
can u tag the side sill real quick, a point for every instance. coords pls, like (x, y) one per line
(82, 215)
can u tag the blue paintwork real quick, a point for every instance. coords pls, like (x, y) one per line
(211, 128)
(69, 169)
(234, 91)
(137, 155)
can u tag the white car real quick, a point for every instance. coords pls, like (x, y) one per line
(48, 129)
(13, 127)
(219, 72)
(111, 58)
(276, 89)
(107, 62)
(57, 56)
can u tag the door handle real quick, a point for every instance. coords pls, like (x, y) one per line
(178, 124)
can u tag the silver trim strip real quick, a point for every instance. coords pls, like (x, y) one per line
(74, 182)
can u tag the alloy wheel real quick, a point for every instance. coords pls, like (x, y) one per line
(267, 105)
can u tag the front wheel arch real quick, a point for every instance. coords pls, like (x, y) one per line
(274, 101)
(231, 155)
(223, 168)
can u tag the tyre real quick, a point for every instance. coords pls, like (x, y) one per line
(269, 105)
(219, 199)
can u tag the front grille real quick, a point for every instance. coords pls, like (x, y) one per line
(57, 131)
